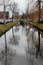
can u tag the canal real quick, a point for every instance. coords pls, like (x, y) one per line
(21, 49)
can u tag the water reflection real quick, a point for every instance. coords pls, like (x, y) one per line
(21, 49)
(30, 42)
(15, 40)
(16, 29)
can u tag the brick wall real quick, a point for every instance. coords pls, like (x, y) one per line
(35, 15)
(4, 15)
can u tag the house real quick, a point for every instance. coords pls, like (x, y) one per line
(4, 14)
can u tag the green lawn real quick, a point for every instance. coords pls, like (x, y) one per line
(38, 25)
(4, 28)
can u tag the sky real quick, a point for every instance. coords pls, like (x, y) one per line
(22, 4)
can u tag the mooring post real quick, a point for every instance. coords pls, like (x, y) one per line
(5, 50)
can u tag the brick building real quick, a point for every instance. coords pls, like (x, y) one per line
(4, 15)
(35, 15)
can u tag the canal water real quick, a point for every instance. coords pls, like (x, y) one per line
(21, 49)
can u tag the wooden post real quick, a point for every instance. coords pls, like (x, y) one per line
(5, 50)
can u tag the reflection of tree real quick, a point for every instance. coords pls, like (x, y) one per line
(16, 29)
(31, 42)
(10, 55)
(14, 8)
(14, 41)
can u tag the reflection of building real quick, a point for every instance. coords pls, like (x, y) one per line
(4, 15)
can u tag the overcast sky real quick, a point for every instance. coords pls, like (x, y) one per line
(22, 4)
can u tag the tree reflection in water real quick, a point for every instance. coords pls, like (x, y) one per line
(14, 40)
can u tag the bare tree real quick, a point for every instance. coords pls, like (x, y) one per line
(14, 9)
(27, 10)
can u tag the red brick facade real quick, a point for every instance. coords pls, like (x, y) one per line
(35, 14)
(4, 15)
